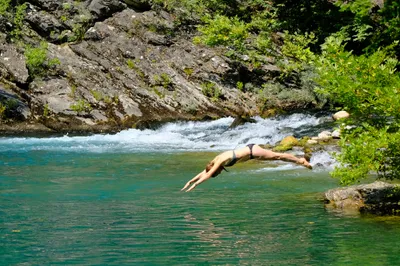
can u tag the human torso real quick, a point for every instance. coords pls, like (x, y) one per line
(232, 157)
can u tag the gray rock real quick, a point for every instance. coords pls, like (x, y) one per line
(102, 9)
(44, 23)
(139, 5)
(377, 198)
(49, 5)
(12, 64)
(15, 107)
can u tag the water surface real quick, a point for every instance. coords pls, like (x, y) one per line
(116, 200)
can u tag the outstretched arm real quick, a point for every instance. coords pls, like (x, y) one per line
(201, 177)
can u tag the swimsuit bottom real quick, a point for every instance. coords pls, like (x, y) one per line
(234, 158)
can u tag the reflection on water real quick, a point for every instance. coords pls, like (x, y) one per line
(126, 209)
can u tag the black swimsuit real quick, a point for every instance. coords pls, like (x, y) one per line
(251, 150)
(235, 159)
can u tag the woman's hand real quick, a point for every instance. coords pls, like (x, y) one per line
(197, 180)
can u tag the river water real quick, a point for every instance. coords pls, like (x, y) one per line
(116, 200)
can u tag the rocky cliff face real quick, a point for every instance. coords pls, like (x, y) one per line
(111, 65)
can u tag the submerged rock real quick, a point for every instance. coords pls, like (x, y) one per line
(379, 198)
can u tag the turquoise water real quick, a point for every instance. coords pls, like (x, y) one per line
(78, 201)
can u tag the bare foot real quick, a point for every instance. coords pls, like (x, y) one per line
(305, 163)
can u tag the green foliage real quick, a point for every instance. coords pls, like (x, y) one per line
(4, 5)
(368, 150)
(222, 30)
(164, 80)
(7, 107)
(37, 61)
(211, 90)
(18, 20)
(359, 7)
(370, 27)
(159, 93)
(97, 95)
(188, 71)
(81, 106)
(240, 85)
(131, 64)
(368, 87)
(296, 53)
(2, 110)
(46, 110)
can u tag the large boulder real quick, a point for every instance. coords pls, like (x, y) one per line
(378, 198)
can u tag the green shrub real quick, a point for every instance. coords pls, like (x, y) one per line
(188, 71)
(46, 110)
(164, 80)
(37, 61)
(222, 30)
(367, 87)
(81, 106)
(211, 90)
(2, 110)
(4, 5)
(240, 86)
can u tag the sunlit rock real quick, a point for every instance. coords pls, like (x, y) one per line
(378, 198)
(341, 115)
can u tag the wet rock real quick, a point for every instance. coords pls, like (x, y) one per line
(379, 198)
(286, 144)
(241, 120)
(289, 141)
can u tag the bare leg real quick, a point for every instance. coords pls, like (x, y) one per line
(264, 154)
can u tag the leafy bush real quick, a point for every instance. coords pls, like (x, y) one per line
(163, 80)
(223, 30)
(4, 5)
(18, 20)
(368, 87)
(2, 110)
(211, 90)
(81, 106)
(37, 61)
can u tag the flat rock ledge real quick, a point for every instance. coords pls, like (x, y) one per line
(379, 198)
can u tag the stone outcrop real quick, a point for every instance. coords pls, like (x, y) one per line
(379, 198)
(112, 65)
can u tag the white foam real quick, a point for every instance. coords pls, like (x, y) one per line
(198, 136)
